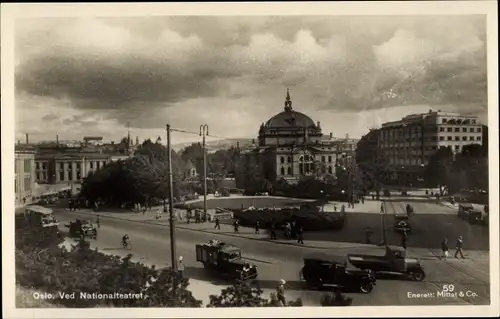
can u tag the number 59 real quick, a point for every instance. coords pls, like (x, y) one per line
(448, 288)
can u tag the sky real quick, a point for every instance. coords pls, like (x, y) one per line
(78, 77)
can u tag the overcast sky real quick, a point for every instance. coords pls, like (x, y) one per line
(78, 77)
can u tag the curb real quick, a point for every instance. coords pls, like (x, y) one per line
(235, 236)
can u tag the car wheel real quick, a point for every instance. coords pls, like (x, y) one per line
(418, 275)
(366, 288)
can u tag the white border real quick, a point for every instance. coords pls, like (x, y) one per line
(12, 11)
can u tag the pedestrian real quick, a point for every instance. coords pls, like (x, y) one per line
(444, 249)
(362, 199)
(342, 208)
(287, 230)
(368, 233)
(459, 247)
(280, 293)
(373, 197)
(98, 222)
(217, 223)
(236, 226)
(334, 207)
(382, 207)
(257, 227)
(273, 231)
(300, 233)
(188, 215)
(180, 266)
(404, 239)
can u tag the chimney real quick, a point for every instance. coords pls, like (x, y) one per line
(318, 125)
(237, 145)
(331, 135)
(27, 139)
(57, 139)
(18, 142)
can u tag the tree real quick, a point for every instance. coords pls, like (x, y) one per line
(241, 294)
(374, 168)
(438, 171)
(472, 167)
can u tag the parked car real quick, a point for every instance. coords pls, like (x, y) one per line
(472, 214)
(321, 270)
(394, 261)
(225, 260)
(82, 227)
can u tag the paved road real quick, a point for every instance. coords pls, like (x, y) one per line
(277, 261)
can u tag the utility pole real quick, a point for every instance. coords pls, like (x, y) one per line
(171, 200)
(204, 133)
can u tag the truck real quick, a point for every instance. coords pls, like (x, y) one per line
(225, 260)
(394, 261)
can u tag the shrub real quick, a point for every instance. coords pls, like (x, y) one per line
(52, 269)
(330, 300)
(311, 218)
(242, 294)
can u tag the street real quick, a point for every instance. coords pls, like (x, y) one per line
(277, 261)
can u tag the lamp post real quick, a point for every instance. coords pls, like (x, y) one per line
(322, 198)
(204, 133)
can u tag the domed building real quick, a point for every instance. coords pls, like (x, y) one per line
(290, 145)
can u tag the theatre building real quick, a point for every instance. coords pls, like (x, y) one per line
(290, 145)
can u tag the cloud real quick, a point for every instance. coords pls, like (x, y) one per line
(101, 74)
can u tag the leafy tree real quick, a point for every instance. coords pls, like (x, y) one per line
(374, 168)
(437, 172)
(471, 166)
(242, 294)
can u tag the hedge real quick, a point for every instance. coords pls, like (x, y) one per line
(42, 265)
(311, 218)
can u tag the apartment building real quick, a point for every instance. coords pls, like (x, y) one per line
(24, 168)
(407, 144)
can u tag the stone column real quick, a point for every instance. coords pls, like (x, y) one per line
(65, 169)
(73, 171)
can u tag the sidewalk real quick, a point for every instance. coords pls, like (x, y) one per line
(369, 206)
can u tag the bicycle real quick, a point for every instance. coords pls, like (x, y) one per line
(127, 245)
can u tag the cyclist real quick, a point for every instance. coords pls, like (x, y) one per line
(125, 240)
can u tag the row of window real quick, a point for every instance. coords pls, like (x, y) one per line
(457, 129)
(457, 138)
(458, 121)
(70, 176)
(307, 158)
(442, 138)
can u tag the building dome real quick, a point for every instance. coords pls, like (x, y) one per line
(289, 117)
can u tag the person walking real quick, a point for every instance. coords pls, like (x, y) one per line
(236, 225)
(257, 227)
(342, 208)
(217, 223)
(404, 239)
(368, 235)
(444, 249)
(273, 231)
(300, 233)
(98, 222)
(280, 293)
(287, 230)
(459, 247)
(180, 266)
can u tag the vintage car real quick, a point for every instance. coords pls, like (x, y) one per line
(321, 270)
(82, 227)
(393, 262)
(471, 213)
(402, 223)
(225, 260)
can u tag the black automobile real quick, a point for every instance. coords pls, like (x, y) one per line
(322, 270)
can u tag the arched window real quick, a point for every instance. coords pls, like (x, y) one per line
(290, 170)
(282, 159)
(282, 171)
(306, 164)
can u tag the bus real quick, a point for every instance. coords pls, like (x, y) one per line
(40, 216)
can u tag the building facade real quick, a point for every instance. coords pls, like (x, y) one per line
(58, 168)
(407, 144)
(291, 145)
(24, 168)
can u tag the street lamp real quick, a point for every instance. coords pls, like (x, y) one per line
(204, 133)
(322, 198)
